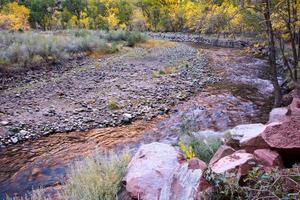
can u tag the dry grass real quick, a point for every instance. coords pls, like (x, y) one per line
(96, 177)
(155, 43)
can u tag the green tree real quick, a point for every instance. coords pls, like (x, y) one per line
(75, 7)
(41, 12)
(125, 9)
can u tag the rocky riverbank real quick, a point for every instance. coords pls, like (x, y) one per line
(140, 83)
(256, 161)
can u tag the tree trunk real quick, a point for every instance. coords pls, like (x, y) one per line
(272, 54)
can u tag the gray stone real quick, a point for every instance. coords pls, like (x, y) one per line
(14, 140)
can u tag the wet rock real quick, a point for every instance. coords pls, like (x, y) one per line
(239, 163)
(150, 169)
(223, 151)
(268, 158)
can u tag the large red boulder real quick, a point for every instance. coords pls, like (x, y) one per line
(156, 173)
(150, 169)
(186, 183)
(268, 158)
(285, 138)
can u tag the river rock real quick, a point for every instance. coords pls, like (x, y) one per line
(14, 140)
(237, 162)
(4, 123)
(223, 151)
(268, 158)
(150, 169)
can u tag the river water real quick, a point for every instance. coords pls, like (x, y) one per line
(243, 95)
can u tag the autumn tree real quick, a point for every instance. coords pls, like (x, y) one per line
(14, 17)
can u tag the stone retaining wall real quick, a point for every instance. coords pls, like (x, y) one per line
(201, 39)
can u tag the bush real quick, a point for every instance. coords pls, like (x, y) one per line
(133, 38)
(96, 177)
(203, 147)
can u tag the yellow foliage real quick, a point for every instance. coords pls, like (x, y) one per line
(113, 21)
(187, 151)
(14, 17)
(73, 22)
(84, 20)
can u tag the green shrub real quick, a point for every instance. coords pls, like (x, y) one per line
(96, 177)
(203, 147)
(113, 105)
(133, 38)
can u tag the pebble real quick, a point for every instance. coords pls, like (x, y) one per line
(4, 123)
(14, 140)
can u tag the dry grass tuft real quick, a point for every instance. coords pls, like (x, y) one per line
(96, 177)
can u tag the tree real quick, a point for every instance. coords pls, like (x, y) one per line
(288, 36)
(41, 12)
(14, 17)
(75, 7)
(272, 53)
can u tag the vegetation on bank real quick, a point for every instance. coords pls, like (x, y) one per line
(205, 16)
(258, 184)
(31, 49)
(97, 177)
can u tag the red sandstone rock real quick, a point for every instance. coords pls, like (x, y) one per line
(196, 163)
(284, 136)
(239, 163)
(223, 151)
(155, 172)
(268, 158)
